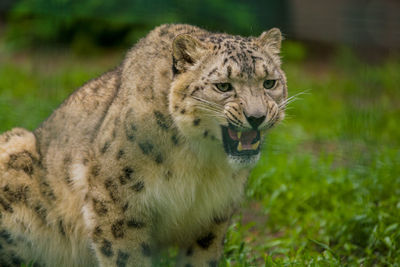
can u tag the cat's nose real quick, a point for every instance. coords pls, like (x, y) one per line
(255, 121)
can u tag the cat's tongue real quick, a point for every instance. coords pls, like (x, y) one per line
(245, 138)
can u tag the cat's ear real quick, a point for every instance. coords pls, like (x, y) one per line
(271, 40)
(186, 51)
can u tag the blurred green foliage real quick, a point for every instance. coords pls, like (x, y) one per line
(89, 23)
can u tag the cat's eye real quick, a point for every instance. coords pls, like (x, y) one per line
(269, 84)
(224, 87)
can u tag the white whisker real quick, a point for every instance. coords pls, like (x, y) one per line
(207, 102)
(217, 112)
(291, 99)
(212, 112)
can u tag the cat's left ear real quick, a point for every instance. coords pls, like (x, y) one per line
(186, 51)
(271, 40)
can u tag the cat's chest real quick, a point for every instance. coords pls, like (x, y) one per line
(187, 203)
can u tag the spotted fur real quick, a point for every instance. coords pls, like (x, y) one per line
(132, 162)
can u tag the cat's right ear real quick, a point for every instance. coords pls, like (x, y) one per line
(186, 51)
(271, 40)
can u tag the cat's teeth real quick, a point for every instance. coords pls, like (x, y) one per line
(239, 147)
(255, 145)
(239, 134)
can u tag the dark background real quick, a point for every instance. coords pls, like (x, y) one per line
(365, 24)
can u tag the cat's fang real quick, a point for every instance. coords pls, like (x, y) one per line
(255, 145)
(239, 147)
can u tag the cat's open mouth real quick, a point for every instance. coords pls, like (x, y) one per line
(240, 143)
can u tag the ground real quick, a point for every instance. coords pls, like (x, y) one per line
(326, 191)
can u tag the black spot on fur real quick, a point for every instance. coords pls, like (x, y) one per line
(213, 263)
(47, 191)
(159, 159)
(196, 121)
(206, 241)
(7, 138)
(195, 90)
(146, 251)
(188, 265)
(205, 134)
(112, 189)
(164, 31)
(22, 161)
(234, 59)
(67, 159)
(125, 207)
(220, 219)
(135, 223)
(17, 194)
(6, 236)
(183, 96)
(130, 130)
(161, 120)
(122, 258)
(189, 251)
(120, 154)
(105, 147)
(229, 70)
(175, 71)
(138, 186)
(128, 172)
(175, 139)
(122, 179)
(61, 227)
(117, 229)
(106, 248)
(17, 261)
(97, 231)
(95, 171)
(40, 211)
(146, 147)
(67, 178)
(95, 88)
(99, 207)
(168, 175)
(6, 205)
(212, 72)
(165, 97)
(183, 111)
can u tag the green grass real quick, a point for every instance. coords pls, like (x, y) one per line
(327, 189)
